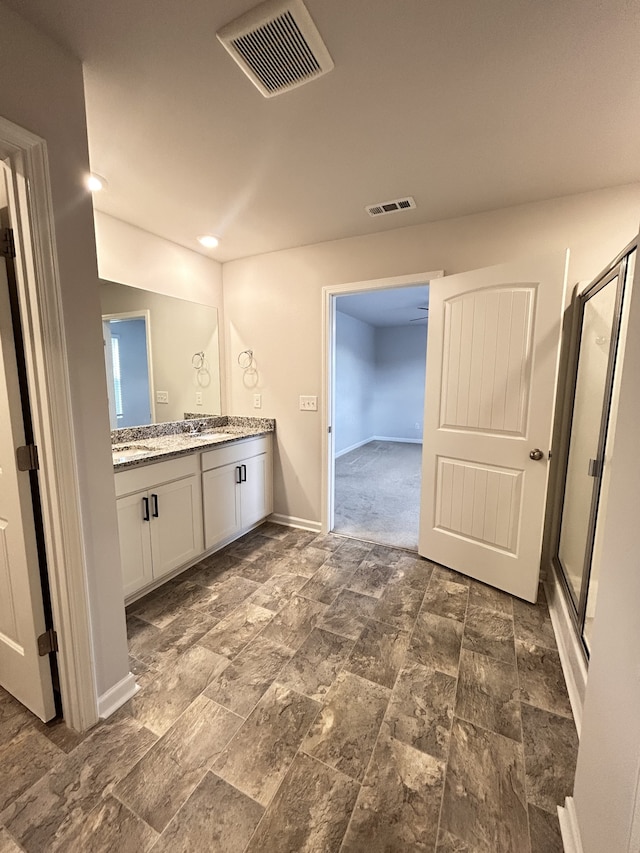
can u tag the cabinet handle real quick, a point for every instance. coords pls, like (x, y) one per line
(145, 504)
(154, 498)
(244, 474)
(238, 474)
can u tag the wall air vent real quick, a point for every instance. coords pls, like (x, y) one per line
(277, 46)
(390, 206)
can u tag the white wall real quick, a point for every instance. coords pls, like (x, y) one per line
(273, 304)
(354, 381)
(43, 92)
(398, 400)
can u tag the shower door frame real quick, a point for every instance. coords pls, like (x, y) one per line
(618, 267)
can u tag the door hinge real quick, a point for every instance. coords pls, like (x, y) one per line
(27, 456)
(594, 468)
(329, 430)
(7, 243)
(47, 643)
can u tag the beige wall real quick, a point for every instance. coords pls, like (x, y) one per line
(272, 304)
(42, 91)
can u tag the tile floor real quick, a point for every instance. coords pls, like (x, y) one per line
(309, 693)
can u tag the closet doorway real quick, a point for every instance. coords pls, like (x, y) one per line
(377, 352)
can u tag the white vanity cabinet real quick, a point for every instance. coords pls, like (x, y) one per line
(159, 519)
(237, 488)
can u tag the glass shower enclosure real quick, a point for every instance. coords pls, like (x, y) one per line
(586, 411)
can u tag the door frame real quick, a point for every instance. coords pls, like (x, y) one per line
(40, 298)
(329, 294)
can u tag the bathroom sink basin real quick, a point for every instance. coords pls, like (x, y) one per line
(129, 451)
(207, 437)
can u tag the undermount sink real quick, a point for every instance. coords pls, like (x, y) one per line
(130, 451)
(208, 436)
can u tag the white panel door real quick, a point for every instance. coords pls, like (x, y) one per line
(25, 674)
(134, 519)
(255, 493)
(221, 501)
(176, 524)
(492, 352)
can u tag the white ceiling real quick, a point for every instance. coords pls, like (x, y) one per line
(467, 106)
(397, 306)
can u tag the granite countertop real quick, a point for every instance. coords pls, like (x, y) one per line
(136, 446)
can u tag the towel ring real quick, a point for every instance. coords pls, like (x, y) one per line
(197, 360)
(245, 359)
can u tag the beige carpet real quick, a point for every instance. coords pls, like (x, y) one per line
(377, 493)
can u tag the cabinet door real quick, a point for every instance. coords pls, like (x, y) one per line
(135, 542)
(221, 504)
(256, 490)
(176, 524)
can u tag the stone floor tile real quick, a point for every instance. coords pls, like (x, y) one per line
(7, 844)
(399, 803)
(484, 802)
(489, 633)
(223, 597)
(446, 598)
(236, 630)
(551, 750)
(379, 653)
(541, 678)
(327, 582)
(420, 712)
(544, 828)
(532, 622)
(370, 579)
(348, 614)
(412, 571)
(482, 595)
(444, 574)
(344, 733)
(225, 828)
(259, 755)
(276, 592)
(436, 642)
(110, 826)
(310, 811)
(294, 623)
(249, 675)
(160, 704)
(313, 668)
(488, 694)
(161, 648)
(23, 760)
(165, 778)
(398, 606)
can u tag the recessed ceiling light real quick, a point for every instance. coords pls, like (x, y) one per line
(208, 241)
(95, 183)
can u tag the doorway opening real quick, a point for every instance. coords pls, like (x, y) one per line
(376, 340)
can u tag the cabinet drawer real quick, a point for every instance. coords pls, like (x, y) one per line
(147, 476)
(235, 452)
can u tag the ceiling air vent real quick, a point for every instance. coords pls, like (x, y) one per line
(390, 206)
(277, 46)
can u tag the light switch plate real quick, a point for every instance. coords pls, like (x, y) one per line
(257, 401)
(162, 396)
(198, 398)
(308, 404)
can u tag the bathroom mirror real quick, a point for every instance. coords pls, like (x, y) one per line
(168, 364)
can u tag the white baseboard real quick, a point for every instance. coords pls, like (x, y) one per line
(398, 440)
(353, 447)
(116, 696)
(293, 521)
(569, 828)
(572, 659)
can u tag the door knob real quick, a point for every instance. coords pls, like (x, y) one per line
(536, 454)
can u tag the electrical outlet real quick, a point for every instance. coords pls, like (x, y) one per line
(198, 398)
(162, 396)
(308, 404)
(257, 401)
